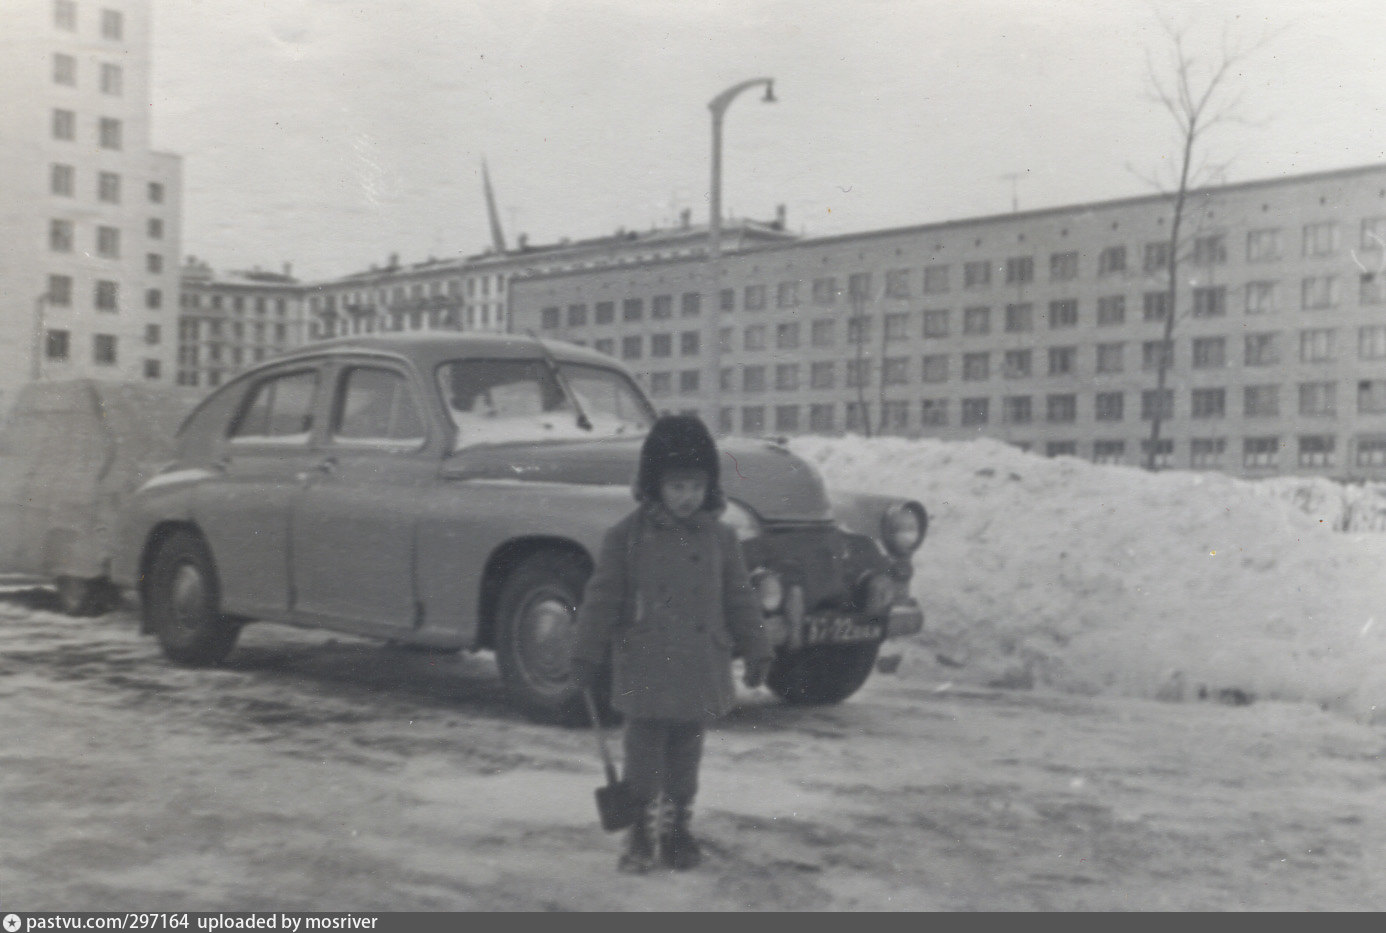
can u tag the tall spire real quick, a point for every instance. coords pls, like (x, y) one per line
(497, 237)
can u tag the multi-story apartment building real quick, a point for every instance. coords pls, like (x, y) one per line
(89, 214)
(231, 320)
(1042, 328)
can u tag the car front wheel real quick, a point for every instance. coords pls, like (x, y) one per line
(822, 674)
(182, 602)
(536, 620)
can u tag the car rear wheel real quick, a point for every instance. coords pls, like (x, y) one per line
(182, 600)
(536, 619)
(822, 674)
(86, 596)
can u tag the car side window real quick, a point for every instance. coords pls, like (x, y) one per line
(375, 405)
(280, 407)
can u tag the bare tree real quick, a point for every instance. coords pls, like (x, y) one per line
(857, 327)
(1199, 97)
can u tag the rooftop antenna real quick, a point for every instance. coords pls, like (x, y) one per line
(497, 237)
(1015, 190)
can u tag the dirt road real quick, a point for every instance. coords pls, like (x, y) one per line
(322, 773)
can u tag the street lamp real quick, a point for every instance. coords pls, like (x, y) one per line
(718, 105)
(36, 357)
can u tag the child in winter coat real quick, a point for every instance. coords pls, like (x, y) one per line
(669, 598)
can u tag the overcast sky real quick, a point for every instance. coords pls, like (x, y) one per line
(332, 133)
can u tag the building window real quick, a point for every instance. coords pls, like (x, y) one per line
(64, 124)
(1016, 409)
(976, 366)
(1063, 267)
(59, 293)
(1319, 291)
(64, 69)
(103, 349)
(1261, 350)
(661, 345)
(1164, 453)
(724, 339)
(605, 312)
(1208, 403)
(661, 307)
(936, 323)
(1371, 451)
(725, 378)
(787, 377)
(1209, 352)
(1109, 406)
(688, 381)
(976, 320)
(108, 242)
(110, 133)
(1316, 450)
(1108, 451)
(1316, 346)
(1318, 399)
(1111, 260)
(754, 298)
(1321, 239)
(1260, 452)
(154, 229)
(1063, 313)
(65, 15)
(859, 286)
(1062, 360)
(1205, 453)
(60, 236)
(821, 417)
(753, 419)
(632, 309)
(895, 416)
(112, 80)
(154, 299)
(897, 283)
(155, 192)
(858, 373)
(1371, 397)
(1061, 448)
(1155, 306)
(974, 411)
(895, 370)
(61, 179)
(1371, 342)
(1153, 352)
(787, 418)
(691, 304)
(1019, 318)
(1156, 257)
(822, 375)
(112, 24)
(858, 416)
(689, 343)
(152, 369)
(1110, 357)
(858, 329)
(787, 336)
(825, 291)
(753, 337)
(1261, 401)
(1263, 245)
(753, 379)
(1015, 364)
(661, 384)
(897, 325)
(933, 367)
(57, 345)
(1020, 270)
(1111, 310)
(726, 299)
(1210, 250)
(823, 332)
(630, 348)
(933, 412)
(1061, 408)
(1210, 301)
(977, 274)
(1260, 297)
(154, 263)
(935, 279)
(151, 335)
(577, 315)
(1157, 403)
(1371, 288)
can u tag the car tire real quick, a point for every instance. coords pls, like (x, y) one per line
(821, 674)
(86, 596)
(182, 602)
(536, 621)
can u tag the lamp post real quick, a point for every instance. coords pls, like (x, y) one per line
(718, 105)
(36, 356)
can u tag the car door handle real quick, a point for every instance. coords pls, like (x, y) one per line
(325, 468)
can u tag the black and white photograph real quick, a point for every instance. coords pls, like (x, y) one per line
(650, 456)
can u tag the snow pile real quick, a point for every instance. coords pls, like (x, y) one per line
(1346, 508)
(1099, 579)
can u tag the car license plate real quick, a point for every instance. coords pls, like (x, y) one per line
(834, 630)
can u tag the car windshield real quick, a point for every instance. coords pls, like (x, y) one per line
(496, 401)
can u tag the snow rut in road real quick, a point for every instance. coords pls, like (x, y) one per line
(1110, 579)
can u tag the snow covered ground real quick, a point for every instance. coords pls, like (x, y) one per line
(1113, 580)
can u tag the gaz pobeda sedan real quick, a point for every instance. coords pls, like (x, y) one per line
(451, 491)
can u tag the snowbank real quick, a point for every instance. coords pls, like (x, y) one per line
(1099, 579)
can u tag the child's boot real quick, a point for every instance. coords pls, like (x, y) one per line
(639, 856)
(678, 848)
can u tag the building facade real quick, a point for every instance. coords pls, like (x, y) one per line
(231, 320)
(89, 215)
(1043, 329)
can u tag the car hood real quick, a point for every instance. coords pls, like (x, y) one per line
(765, 477)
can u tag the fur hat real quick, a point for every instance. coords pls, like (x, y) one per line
(679, 442)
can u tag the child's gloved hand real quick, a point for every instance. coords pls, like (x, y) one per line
(583, 674)
(756, 669)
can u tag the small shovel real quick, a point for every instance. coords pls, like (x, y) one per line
(616, 805)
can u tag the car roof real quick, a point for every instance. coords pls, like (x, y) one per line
(430, 348)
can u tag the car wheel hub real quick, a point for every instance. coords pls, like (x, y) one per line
(188, 596)
(546, 641)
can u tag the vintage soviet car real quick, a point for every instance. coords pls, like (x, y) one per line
(450, 491)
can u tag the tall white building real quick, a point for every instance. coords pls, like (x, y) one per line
(90, 231)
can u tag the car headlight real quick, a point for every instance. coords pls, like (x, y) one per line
(876, 592)
(903, 526)
(740, 518)
(769, 589)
